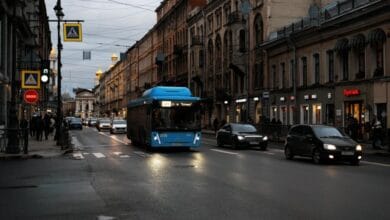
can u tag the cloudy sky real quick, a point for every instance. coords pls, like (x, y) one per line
(110, 26)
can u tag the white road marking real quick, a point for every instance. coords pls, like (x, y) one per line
(103, 217)
(224, 151)
(117, 153)
(99, 155)
(142, 154)
(114, 138)
(78, 156)
(124, 156)
(374, 163)
(86, 153)
(269, 153)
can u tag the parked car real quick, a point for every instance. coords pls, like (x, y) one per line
(75, 123)
(321, 143)
(241, 135)
(92, 122)
(118, 126)
(68, 119)
(85, 121)
(103, 124)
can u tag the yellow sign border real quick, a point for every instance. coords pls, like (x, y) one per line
(24, 86)
(79, 39)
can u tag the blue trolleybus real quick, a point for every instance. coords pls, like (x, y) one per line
(165, 117)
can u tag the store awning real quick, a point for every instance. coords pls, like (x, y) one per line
(341, 45)
(357, 42)
(376, 36)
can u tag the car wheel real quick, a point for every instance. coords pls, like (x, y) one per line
(317, 156)
(263, 146)
(355, 162)
(288, 153)
(219, 144)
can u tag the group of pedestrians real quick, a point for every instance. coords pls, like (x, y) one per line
(42, 125)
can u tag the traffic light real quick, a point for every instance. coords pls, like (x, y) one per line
(45, 70)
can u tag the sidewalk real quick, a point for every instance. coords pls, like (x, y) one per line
(37, 149)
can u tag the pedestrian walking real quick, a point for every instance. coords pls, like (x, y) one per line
(33, 122)
(46, 125)
(376, 134)
(39, 128)
(215, 124)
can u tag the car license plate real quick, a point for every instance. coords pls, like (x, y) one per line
(253, 142)
(347, 153)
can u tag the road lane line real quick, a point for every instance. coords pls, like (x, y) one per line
(114, 138)
(142, 154)
(117, 153)
(86, 153)
(78, 156)
(269, 153)
(375, 163)
(124, 156)
(224, 151)
(99, 155)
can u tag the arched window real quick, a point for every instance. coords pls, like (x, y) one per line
(218, 54)
(377, 39)
(210, 53)
(258, 29)
(242, 41)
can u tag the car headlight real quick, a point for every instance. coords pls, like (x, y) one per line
(359, 147)
(265, 138)
(239, 137)
(329, 147)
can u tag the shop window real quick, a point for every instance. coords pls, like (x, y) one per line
(283, 115)
(304, 114)
(330, 113)
(274, 113)
(291, 115)
(258, 112)
(316, 109)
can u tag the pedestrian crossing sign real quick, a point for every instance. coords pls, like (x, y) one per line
(31, 79)
(73, 32)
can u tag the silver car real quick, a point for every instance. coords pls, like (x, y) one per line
(118, 126)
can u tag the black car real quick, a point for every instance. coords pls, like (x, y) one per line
(75, 123)
(321, 143)
(241, 135)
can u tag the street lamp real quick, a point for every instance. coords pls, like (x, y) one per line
(60, 16)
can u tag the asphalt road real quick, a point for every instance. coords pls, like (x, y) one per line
(107, 177)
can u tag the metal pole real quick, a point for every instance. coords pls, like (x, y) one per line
(59, 78)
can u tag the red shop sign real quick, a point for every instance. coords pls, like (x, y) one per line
(351, 92)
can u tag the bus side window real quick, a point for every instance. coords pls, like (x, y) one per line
(148, 109)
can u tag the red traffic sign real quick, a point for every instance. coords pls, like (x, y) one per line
(31, 96)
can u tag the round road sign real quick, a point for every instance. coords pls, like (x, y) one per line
(31, 96)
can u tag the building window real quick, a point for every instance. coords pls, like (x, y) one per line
(330, 66)
(218, 18)
(379, 60)
(258, 29)
(330, 114)
(345, 64)
(316, 114)
(304, 114)
(316, 58)
(258, 82)
(273, 75)
(291, 78)
(210, 24)
(201, 58)
(282, 75)
(304, 71)
(283, 115)
(242, 41)
(361, 63)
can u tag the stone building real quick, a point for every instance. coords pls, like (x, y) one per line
(226, 66)
(84, 103)
(332, 66)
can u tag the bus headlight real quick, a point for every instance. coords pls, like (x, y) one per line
(156, 138)
(197, 138)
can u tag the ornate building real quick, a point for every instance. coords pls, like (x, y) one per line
(84, 103)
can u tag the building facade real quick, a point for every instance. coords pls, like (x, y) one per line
(84, 100)
(332, 67)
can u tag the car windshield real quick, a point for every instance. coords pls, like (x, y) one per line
(119, 122)
(105, 121)
(243, 128)
(327, 132)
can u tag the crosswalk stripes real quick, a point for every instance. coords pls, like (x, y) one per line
(98, 155)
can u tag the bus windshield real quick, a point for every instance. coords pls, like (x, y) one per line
(176, 118)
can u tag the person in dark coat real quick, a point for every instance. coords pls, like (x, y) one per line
(376, 134)
(39, 128)
(46, 125)
(33, 122)
(215, 124)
